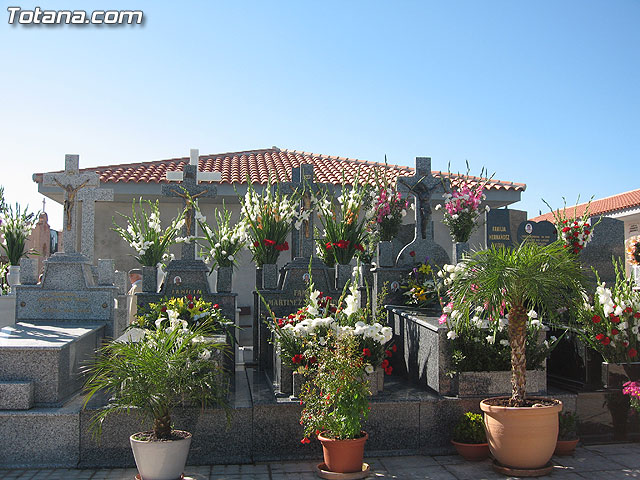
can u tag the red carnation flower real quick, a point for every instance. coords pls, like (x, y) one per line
(599, 336)
(297, 358)
(615, 331)
(256, 243)
(388, 370)
(606, 341)
(615, 319)
(388, 353)
(366, 352)
(596, 319)
(628, 310)
(191, 305)
(636, 315)
(385, 363)
(189, 297)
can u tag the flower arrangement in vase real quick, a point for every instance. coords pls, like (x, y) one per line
(345, 230)
(15, 228)
(388, 207)
(462, 203)
(574, 232)
(224, 241)
(145, 235)
(268, 219)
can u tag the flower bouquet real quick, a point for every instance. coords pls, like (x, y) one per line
(268, 217)
(611, 323)
(190, 312)
(15, 228)
(574, 233)
(423, 287)
(145, 235)
(345, 231)
(462, 203)
(225, 241)
(388, 208)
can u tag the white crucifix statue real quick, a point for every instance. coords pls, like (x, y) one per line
(71, 181)
(190, 177)
(89, 197)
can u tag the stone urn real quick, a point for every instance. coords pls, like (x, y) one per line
(13, 278)
(267, 276)
(459, 250)
(149, 279)
(224, 279)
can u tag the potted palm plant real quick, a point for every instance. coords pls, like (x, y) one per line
(336, 403)
(168, 366)
(521, 431)
(470, 438)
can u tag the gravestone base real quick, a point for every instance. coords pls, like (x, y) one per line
(16, 395)
(49, 356)
(7, 310)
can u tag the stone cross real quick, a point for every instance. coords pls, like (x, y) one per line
(422, 185)
(89, 197)
(71, 181)
(190, 177)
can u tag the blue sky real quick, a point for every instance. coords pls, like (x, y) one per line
(541, 92)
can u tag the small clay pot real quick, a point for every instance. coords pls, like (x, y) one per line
(564, 448)
(343, 456)
(473, 452)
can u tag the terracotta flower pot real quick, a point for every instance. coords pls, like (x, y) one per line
(473, 452)
(343, 456)
(521, 437)
(564, 448)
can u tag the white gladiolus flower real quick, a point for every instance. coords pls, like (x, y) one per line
(532, 314)
(491, 339)
(451, 334)
(438, 207)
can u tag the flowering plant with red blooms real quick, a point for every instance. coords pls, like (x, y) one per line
(335, 400)
(345, 229)
(611, 323)
(191, 309)
(269, 217)
(574, 233)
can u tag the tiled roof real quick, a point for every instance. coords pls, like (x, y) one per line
(621, 201)
(259, 165)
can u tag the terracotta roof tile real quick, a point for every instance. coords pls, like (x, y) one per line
(259, 165)
(621, 201)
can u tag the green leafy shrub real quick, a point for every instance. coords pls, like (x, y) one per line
(568, 426)
(470, 429)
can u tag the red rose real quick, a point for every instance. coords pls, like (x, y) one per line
(297, 358)
(606, 341)
(636, 315)
(189, 297)
(596, 319)
(269, 243)
(632, 352)
(599, 336)
(216, 306)
(385, 363)
(614, 331)
(615, 319)
(366, 352)
(388, 370)
(388, 353)
(394, 348)
(191, 305)
(566, 229)
(628, 310)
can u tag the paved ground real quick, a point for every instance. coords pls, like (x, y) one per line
(593, 462)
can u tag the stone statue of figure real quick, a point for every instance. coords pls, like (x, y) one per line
(70, 199)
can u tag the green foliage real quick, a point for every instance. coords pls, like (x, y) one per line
(15, 228)
(4, 285)
(145, 235)
(336, 398)
(568, 426)
(157, 374)
(470, 429)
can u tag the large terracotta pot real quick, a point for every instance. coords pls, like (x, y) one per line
(163, 460)
(473, 452)
(521, 437)
(343, 456)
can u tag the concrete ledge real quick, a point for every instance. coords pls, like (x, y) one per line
(16, 395)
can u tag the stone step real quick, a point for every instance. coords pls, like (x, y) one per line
(16, 395)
